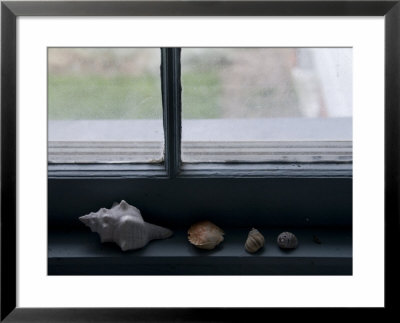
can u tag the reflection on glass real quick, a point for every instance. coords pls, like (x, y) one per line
(104, 105)
(261, 95)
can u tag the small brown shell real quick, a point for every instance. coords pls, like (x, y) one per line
(205, 235)
(287, 240)
(255, 241)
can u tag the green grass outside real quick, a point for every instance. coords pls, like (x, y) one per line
(200, 95)
(124, 97)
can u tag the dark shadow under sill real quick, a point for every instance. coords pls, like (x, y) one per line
(320, 252)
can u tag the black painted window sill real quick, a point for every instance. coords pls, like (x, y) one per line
(320, 252)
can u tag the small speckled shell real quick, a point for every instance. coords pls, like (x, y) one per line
(287, 240)
(205, 235)
(255, 241)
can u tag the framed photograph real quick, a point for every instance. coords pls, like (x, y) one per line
(161, 160)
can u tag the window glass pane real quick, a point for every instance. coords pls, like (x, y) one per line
(104, 105)
(257, 104)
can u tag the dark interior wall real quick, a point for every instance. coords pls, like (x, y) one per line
(229, 202)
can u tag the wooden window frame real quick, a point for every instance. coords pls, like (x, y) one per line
(172, 166)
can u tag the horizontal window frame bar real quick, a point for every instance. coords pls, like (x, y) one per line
(179, 202)
(112, 170)
(199, 144)
(267, 170)
(203, 152)
(203, 170)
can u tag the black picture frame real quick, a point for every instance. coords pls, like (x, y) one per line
(10, 10)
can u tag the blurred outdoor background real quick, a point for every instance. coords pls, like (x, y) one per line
(120, 83)
(104, 83)
(240, 94)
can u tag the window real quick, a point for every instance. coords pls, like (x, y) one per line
(243, 137)
(266, 104)
(105, 105)
(239, 105)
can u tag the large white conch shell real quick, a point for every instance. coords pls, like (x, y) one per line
(124, 225)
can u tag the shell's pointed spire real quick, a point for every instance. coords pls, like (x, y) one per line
(123, 205)
(88, 218)
(157, 232)
(84, 218)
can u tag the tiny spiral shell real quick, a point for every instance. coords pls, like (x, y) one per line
(287, 240)
(255, 241)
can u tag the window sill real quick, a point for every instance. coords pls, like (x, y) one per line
(203, 170)
(268, 170)
(92, 171)
(81, 253)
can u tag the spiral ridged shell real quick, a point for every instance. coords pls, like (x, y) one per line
(287, 240)
(255, 241)
(205, 235)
